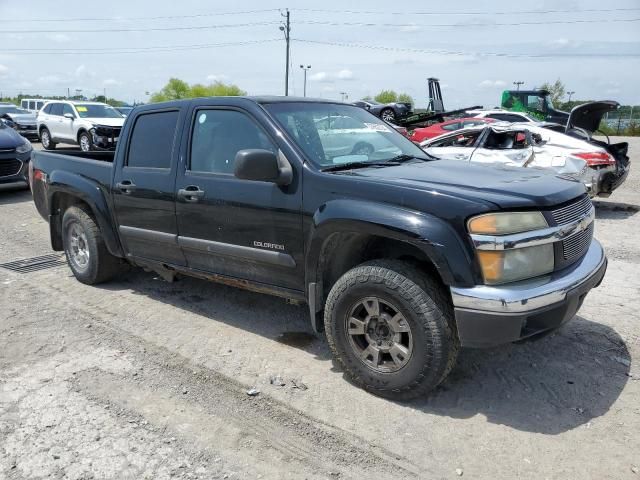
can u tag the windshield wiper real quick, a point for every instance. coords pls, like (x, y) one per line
(352, 165)
(405, 158)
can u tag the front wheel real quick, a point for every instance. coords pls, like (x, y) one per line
(84, 140)
(87, 255)
(391, 328)
(388, 115)
(45, 139)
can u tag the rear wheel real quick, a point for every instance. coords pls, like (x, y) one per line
(45, 139)
(391, 328)
(87, 255)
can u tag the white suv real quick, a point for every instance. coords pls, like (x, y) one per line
(91, 125)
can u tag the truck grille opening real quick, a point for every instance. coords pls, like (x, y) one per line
(575, 246)
(10, 167)
(572, 212)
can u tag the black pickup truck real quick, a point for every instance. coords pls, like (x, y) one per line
(402, 258)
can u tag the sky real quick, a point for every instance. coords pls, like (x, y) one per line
(131, 48)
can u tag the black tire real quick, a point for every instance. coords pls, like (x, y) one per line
(45, 139)
(388, 115)
(85, 142)
(100, 265)
(428, 313)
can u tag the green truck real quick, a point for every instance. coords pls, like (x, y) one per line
(536, 103)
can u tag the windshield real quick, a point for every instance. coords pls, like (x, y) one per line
(97, 111)
(334, 134)
(12, 109)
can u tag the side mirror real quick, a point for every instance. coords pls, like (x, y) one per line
(263, 166)
(69, 115)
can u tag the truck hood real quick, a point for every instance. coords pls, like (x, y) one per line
(9, 138)
(109, 122)
(589, 115)
(504, 186)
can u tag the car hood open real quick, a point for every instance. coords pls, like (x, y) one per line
(588, 115)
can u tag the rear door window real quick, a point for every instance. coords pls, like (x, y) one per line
(152, 140)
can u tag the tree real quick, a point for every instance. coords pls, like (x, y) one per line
(406, 98)
(386, 96)
(176, 89)
(556, 90)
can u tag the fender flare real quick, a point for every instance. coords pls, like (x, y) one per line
(91, 193)
(436, 238)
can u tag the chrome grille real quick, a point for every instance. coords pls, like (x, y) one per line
(9, 167)
(572, 212)
(575, 246)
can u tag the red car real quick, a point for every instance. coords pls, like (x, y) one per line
(420, 134)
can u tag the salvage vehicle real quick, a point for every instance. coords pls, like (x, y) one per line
(401, 258)
(536, 103)
(15, 154)
(421, 134)
(522, 145)
(501, 115)
(22, 121)
(389, 112)
(91, 125)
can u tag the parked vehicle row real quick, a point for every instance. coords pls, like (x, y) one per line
(402, 258)
(22, 121)
(389, 112)
(601, 166)
(15, 154)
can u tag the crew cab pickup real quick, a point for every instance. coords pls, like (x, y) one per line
(402, 258)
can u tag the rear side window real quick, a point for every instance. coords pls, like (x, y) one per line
(32, 105)
(152, 140)
(47, 109)
(56, 109)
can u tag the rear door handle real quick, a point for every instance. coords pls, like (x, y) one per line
(190, 194)
(126, 187)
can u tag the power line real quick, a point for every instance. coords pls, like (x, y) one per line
(467, 13)
(167, 48)
(461, 53)
(465, 25)
(153, 29)
(168, 17)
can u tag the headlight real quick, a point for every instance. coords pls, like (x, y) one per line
(503, 266)
(24, 148)
(511, 264)
(505, 223)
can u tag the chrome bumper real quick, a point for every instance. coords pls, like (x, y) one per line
(529, 295)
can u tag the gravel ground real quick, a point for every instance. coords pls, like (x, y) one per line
(140, 378)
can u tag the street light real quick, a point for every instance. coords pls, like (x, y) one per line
(308, 67)
(517, 84)
(570, 93)
(344, 96)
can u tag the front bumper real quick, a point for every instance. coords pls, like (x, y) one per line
(18, 177)
(493, 315)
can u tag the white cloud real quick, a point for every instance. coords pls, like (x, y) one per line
(492, 84)
(4, 70)
(83, 71)
(59, 38)
(330, 77)
(111, 82)
(50, 80)
(217, 78)
(345, 74)
(410, 28)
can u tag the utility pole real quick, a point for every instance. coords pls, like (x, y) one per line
(344, 96)
(570, 93)
(68, 93)
(286, 29)
(517, 84)
(305, 77)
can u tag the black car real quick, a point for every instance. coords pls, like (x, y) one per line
(389, 112)
(15, 153)
(21, 120)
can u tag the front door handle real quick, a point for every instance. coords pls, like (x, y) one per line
(460, 156)
(190, 194)
(126, 187)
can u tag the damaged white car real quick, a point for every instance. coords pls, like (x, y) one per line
(601, 166)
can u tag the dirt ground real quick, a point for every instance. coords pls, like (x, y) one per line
(140, 378)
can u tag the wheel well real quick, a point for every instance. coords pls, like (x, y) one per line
(80, 132)
(59, 204)
(343, 251)
(42, 127)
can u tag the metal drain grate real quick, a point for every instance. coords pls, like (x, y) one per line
(34, 264)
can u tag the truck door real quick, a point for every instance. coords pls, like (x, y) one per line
(238, 228)
(143, 187)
